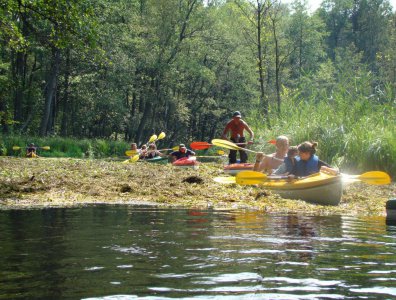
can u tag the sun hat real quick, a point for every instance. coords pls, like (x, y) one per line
(236, 114)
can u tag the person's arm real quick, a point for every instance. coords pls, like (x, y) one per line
(258, 165)
(326, 168)
(251, 134)
(225, 131)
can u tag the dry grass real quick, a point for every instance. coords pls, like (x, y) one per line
(43, 182)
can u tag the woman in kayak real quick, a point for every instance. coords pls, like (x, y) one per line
(309, 163)
(153, 152)
(182, 152)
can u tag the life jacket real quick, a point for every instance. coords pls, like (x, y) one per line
(290, 163)
(305, 168)
(179, 154)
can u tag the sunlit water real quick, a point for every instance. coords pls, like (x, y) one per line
(127, 252)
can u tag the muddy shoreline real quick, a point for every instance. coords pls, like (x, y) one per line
(65, 182)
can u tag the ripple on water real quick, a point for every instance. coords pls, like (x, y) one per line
(131, 250)
(235, 277)
(376, 290)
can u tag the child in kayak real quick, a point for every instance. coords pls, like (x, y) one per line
(143, 152)
(289, 162)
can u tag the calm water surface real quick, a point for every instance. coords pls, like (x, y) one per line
(127, 252)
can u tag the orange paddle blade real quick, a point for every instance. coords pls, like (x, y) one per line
(200, 145)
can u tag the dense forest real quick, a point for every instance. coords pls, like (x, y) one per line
(125, 69)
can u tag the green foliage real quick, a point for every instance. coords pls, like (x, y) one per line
(64, 147)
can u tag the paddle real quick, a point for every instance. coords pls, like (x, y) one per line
(250, 177)
(225, 180)
(205, 145)
(229, 145)
(161, 136)
(200, 145)
(175, 148)
(372, 177)
(131, 152)
(152, 138)
(19, 148)
(132, 159)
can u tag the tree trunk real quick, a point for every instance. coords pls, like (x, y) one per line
(263, 101)
(65, 100)
(277, 68)
(18, 74)
(50, 92)
(143, 120)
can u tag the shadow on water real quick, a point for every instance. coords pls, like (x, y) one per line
(127, 252)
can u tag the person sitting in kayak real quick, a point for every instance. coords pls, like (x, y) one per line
(269, 163)
(143, 152)
(309, 163)
(182, 152)
(31, 151)
(289, 162)
(134, 149)
(236, 126)
(153, 152)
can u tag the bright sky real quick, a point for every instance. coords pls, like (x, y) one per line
(314, 4)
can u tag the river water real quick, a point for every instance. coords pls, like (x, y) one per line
(130, 252)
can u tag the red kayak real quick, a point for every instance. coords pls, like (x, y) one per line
(186, 162)
(236, 168)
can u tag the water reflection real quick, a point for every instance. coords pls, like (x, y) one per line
(106, 251)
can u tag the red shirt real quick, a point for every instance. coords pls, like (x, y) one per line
(235, 128)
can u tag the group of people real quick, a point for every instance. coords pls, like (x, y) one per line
(151, 152)
(288, 160)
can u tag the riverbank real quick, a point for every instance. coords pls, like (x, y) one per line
(65, 182)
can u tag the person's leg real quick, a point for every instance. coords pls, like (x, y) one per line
(232, 157)
(243, 154)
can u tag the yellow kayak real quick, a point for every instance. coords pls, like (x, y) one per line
(320, 188)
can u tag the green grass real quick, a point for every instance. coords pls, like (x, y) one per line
(64, 147)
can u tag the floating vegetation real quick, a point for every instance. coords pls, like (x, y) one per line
(64, 182)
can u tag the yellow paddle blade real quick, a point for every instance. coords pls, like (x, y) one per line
(220, 152)
(134, 158)
(225, 180)
(153, 138)
(16, 148)
(225, 144)
(161, 136)
(250, 177)
(372, 177)
(46, 148)
(130, 152)
(175, 148)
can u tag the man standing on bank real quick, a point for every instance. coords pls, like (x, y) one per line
(236, 126)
